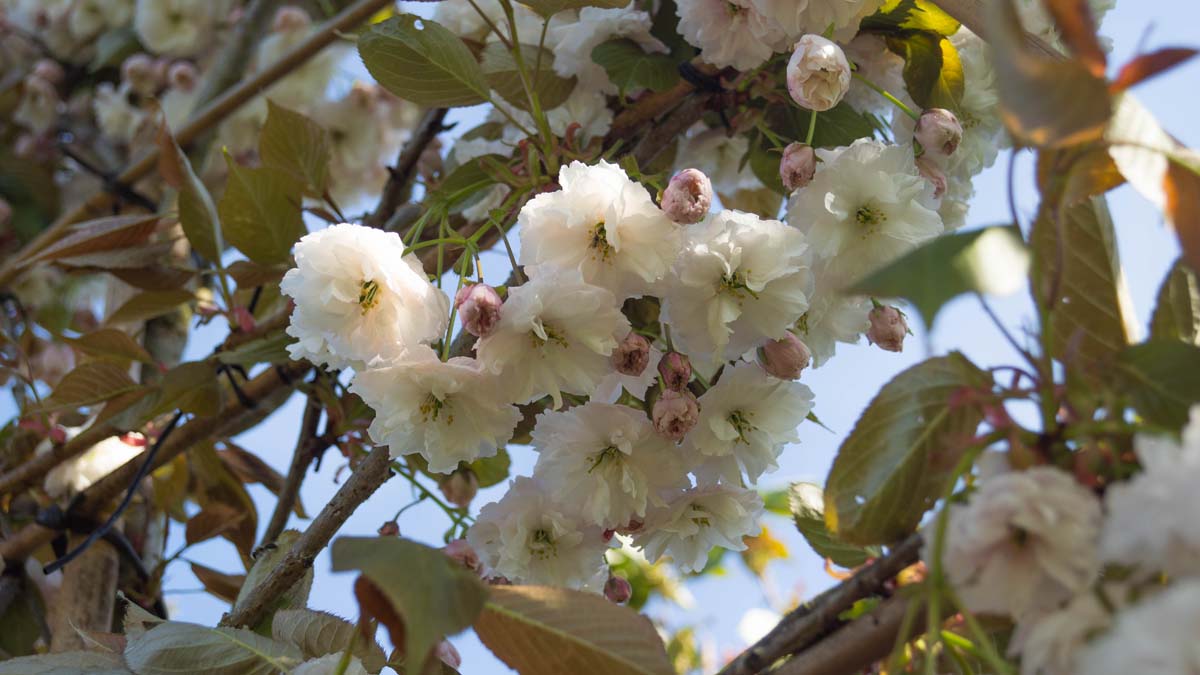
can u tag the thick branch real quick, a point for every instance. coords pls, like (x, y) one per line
(399, 183)
(303, 456)
(807, 623)
(973, 15)
(205, 119)
(661, 135)
(268, 391)
(855, 646)
(367, 477)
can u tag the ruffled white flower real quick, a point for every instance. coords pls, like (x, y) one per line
(730, 32)
(79, 473)
(555, 335)
(328, 665)
(609, 459)
(818, 73)
(359, 299)
(1150, 524)
(866, 206)
(575, 41)
(746, 419)
(448, 412)
(177, 27)
(116, 117)
(1158, 635)
(1025, 542)
(739, 280)
(603, 224)
(831, 317)
(719, 156)
(1049, 644)
(697, 520)
(874, 61)
(527, 537)
(610, 388)
(798, 17)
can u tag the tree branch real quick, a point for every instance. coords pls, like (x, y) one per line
(301, 459)
(855, 646)
(399, 182)
(973, 15)
(367, 477)
(807, 623)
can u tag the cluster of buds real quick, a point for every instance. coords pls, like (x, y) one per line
(676, 411)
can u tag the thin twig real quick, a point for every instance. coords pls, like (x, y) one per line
(301, 459)
(399, 183)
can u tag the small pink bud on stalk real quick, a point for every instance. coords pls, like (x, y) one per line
(939, 132)
(245, 320)
(675, 413)
(48, 70)
(389, 529)
(818, 74)
(688, 197)
(142, 73)
(785, 358)
(462, 553)
(931, 172)
(479, 308)
(617, 589)
(798, 165)
(632, 356)
(460, 487)
(888, 328)
(182, 75)
(676, 370)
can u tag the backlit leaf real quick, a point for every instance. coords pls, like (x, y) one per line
(102, 234)
(148, 305)
(1145, 66)
(197, 213)
(502, 75)
(109, 343)
(1160, 379)
(1177, 309)
(90, 383)
(933, 72)
(807, 502)
(220, 584)
(296, 144)
(1077, 26)
(260, 212)
(421, 61)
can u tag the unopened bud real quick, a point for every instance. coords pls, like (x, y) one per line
(142, 73)
(479, 307)
(931, 172)
(448, 655)
(290, 18)
(389, 529)
(632, 355)
(939, 132)
(617, 589)
(676, 370)
(462, 553)
(182, 75)
(688, 197)
(675, 413)
(888, 328)
(785, 358)
(460, 487)
(798, 165)
(818, 74)
(48, 70)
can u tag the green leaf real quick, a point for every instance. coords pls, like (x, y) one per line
(933, 72)
(296, 144)
(491, 470)
(434, 596)
(807, 503)
(838, 126)
(216, 485)
(992, 260)
(1044, 100)
(631, 68)
(109, 343)
(260, 212)
(148, 305)
(764, 160)
(539, 630)
(1161, 379)
(191, 387)
(548, 8)
(21, 620)
(175, 647)
(897, 15)
(421, 61)
(90, 383)
(1092, 318)
(316, 634)
(197, 213)
(66, 663)
(269, 349)
(1177, 310)
(500, 69)
(463, 182)
(900, 456)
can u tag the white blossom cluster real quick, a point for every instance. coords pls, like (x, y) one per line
(1095, 585)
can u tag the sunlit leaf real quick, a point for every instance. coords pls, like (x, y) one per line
(421, 61)
(760, 550)
(933, 72)
(90, 383)
(807, 503)
(296, 144)
(1177, 308)
(260, 212)
(896, 15)
(491, 470)
(148, 305)
(1160, 379)
(1182, 188)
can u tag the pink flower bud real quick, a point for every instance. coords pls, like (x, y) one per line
(818, 74)
(142, 74)
(676, 370)
(675, 413)
(617, 589)
(290, 18)
(934, 174)
(688, 197)
(389, 529)
(632, 356)
(462, 553)
(479, 307)
(448, 655)
(888, 328)
(785, 358)
(48, 70)
(939, 132)
(245, 320)
(182, 75)
(460, 487)
(797, 166)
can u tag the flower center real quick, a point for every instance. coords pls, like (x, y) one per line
(432, 407)
(368, 295)
(700, 516)
(599, 242)
(868, 216)
(735, 285)
(552, 335)
(609, 453)
(542, 545)
(741, 423)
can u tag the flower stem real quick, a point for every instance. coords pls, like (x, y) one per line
(812, 128)
(884, 93)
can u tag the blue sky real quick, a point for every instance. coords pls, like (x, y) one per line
(843, 387)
